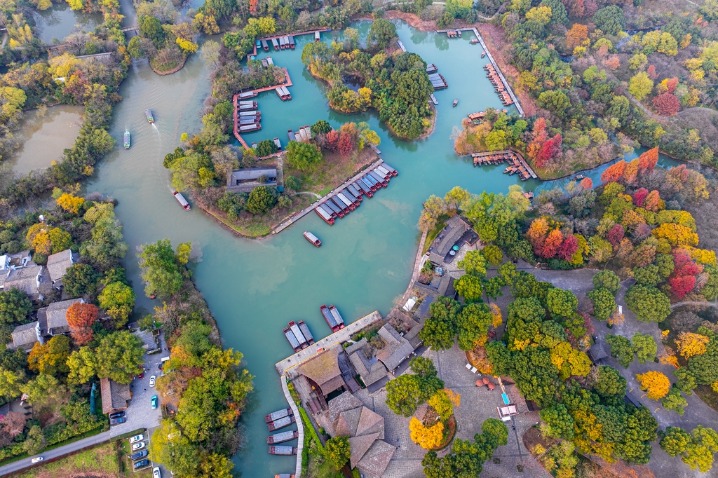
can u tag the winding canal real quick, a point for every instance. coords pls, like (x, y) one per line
(254, 287)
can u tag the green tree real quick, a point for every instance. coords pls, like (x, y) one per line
(469, 287)
(15, 306)
(608, 280)
(562, 303)
(608, 382)
(11, 382)
(266, 147)
(648, 303)
(621, 349)
(303, 156)
(117, 299)
(151, 28)
(35, 440)
(493, 255)
(83, 366)
(558, 422)
(473, 323)
(675, 401)
(674, 441)
(80, 280)
(474, 263)
(160, 269)
(261, 200)
(45, 391)
(337, 452)
(556, 101)
(604, 303)
(119, 356)
(321, 126)
(640, 85)
(645, 347)
(381, 33)
(610, 19)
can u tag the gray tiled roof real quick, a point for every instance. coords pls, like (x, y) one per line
(57, 316)
(397, 348)
(376, 459)
(24, 336)
(25, 279)
(57, 264)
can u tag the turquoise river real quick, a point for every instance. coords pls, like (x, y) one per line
(255, 286)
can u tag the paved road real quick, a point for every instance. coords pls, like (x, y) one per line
(139, 415)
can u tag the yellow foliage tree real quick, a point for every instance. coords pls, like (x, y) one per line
(186, 45)
(426, 437)
(62, 65)
(691, 344)
(496, 317)
(443, 402)
(655, 384)
(676, 234)
(75, 4)
(70, 202)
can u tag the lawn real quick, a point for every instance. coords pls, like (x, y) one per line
(101, 461)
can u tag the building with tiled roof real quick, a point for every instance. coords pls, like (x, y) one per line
(115, 396)
(24, 337)
(323, 370)
(57, 265)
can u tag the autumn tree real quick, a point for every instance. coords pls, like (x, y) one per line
(667, 104)
(50, 358)
(655, 384)
(81, 317)
(640, 85)
(576, 35)
(70, 202)
(614, 172)
(690, 344)
(117, 299)
(337, 452)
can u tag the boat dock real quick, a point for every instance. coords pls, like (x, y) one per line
(336, 338)
(438, 81)
(241, 104)
(477, 116)
(498, 85)
(283, 42)
(298, 215)
(517, 164)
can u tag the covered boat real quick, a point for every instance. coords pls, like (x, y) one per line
(305, 331)
(281, 437)
(149, 116)
(314, 240)
(337, 316)
(274, 416)
(292, 339)
(329, 318)
(281, 423)
(282, 450)
(127, 139)
(294, 328)
(180, 199)
(456, 102)
(325, 215)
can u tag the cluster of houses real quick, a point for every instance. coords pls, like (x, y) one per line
(18, 271)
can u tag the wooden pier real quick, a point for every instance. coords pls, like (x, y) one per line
(236, 99)
(298, 215)
(517, 163)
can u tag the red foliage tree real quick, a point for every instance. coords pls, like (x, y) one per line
(685, 273)
(537, 233)
(590, 7)
(680, 286)
(80, 317)
(253, 6)
(568, 248)
(648, 160)
(651, 72)
(672, 84)
(630, 173)
(549, 150)
(332, 139)
(653, 201)
(667, 104)
(539, 136)
(345, 144)
(551, 244)
(615, 234)
(576, 8)
(639, 197)
(614, 172)
(586, 183)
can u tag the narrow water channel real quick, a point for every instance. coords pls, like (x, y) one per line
(254, 287)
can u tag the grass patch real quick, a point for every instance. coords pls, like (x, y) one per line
(431, 236)
(103, 427)
(706, 394)
(100, 461)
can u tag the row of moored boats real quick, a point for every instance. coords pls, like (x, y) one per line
(276, 420)
(349, 198)
(300, 337)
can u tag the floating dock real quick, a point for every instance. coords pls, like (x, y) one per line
(517, 164)
(401, 45)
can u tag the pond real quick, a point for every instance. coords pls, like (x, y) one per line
(58, 21)
(255, 287)
(44, 136)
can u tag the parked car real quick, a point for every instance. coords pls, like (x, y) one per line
(142, 375)
(37, 459)
(117, 414)
(156, 473)
(141, 464)
(154, 401)
(152, 381)
(139, 454)
(137, 438)
(138, 446)
(117, 421)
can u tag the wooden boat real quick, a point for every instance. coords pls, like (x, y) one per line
(127, 139)
(483, 54)
(180, 199)
(579, 177)
(282, 450)
(313, 240)
(277, 143)
(149, 116)
(281, 423)
(274, 416)
(329, 318)
(455, 102)
(282, 437)
(325, 215)
(265, 45)
(284, 475)
(294, 328)
(337, 316)
(289, 335)
(305, 331)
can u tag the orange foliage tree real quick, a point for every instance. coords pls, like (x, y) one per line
(655, 384)
(614, 172)
(80, 318)
(648, 160)
(690, 344)
(576, 35)
(426, 437)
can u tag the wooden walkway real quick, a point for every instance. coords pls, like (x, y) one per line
(496, 66)
(285, 367)
(298, 215)
(300, 425)
(235, 99)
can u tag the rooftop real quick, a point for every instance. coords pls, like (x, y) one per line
(114, 395)
(245, 180)
(57, 264)
(323, 369)
(24, 336)
(26, 279)
(56, 316)
(454, 229)
(397, 348)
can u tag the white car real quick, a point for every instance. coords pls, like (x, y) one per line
(156, 473)
(152, 381)
(38, 459)
(138, 446)
(137, 438)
